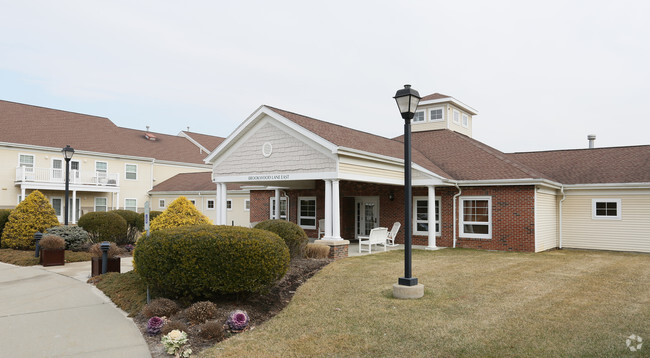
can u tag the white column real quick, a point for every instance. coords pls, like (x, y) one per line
(224, 204)
(277, 204)
(74, 207)
(328, 209)
(217, 203)
(431, 214)
(22, 190)
(117, 206)
(336, 211)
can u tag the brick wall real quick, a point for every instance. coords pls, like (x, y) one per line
(513, 217)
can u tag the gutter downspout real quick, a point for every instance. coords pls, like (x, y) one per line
(454, 200)
(560, 221)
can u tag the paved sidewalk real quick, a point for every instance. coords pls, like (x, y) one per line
(48, 314)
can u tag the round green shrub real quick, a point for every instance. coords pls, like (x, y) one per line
(76, 238)
(34, 214)
(152, 215)
(293, 235)
(132, 231)
(104, 226)
(205, 261)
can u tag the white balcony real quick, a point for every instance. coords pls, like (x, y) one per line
(57, 176)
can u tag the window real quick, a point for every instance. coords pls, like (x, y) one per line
(210, 203)
(421, 215)
(161, 203)
(131, 204)
(247, 205)
(465, 120)
(284, 208)
(307, 212)
(131, 171)
(26, 160)
(193, 202)
(606, 209)
(436, 114)
(101, 172)
(100, 204)
(57, 204)
(229, 204)
(456, 117)
(476, 217)
(419, 117)
(57, 168)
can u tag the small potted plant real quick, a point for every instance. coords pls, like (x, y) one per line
(113, 259)
(52, 250)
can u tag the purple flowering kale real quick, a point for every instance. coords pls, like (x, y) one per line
(154, 325)
(237, 320)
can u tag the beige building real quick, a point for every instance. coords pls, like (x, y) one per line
(112, 167)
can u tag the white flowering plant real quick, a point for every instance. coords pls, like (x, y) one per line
(175, 343)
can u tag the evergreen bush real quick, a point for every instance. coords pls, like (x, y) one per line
(132, 231)
(205, 261)
(104, 226)
(181, 212)
(293, 235)
(34, 214)
(4, 216)
(76, 238)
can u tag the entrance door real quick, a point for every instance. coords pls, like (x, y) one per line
(366, 215)
(57, 204)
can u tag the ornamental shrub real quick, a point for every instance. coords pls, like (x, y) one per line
(104, 226)
(293, 235)
(212, 330)
(52, 242)
(132, 231)
(76, 238)
(181, 212)
(317, 251)
(4, 216)
(202, 311)
(113, 250)
(34, 214)
(204, 261)
(161, 307)
(152, 215)
(172, 325)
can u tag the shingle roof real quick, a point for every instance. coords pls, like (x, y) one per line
(592, 166)
(434, 96)
(210, 142)
(201, 181)
(465, 158)
(355, 139)
(32, 125)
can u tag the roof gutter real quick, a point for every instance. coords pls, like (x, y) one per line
(501, 182)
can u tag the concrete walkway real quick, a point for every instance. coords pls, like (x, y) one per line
(48, 314)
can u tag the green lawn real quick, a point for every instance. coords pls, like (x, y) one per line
(476, 304)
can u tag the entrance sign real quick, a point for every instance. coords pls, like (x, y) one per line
(146, 217)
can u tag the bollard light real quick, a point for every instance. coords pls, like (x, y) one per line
(37, 239)
(105, 245)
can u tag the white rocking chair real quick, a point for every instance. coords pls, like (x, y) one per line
(390, 241)
(377, 236)
(321, 228)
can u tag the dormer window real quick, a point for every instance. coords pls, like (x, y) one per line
(465, 120)
(456, 117)
(436, 114)
(419, 117)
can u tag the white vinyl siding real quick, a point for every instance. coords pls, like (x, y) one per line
(545, 221)
(631, 233)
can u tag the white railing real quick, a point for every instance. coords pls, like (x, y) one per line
(51, 175)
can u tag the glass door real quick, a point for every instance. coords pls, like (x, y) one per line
(366, 215)
(57, 204)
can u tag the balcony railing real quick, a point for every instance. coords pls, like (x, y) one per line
(51, 175)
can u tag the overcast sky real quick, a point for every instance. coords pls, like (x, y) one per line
(542, 74)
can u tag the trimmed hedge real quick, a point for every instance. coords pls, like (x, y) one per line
(132, 231)
(75, 237)
(104, 226)
(34, 214)
(204, 261)
(293, 235)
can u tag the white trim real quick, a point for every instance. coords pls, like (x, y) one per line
(164, 203)
(604, 217)
(95, 202)
(136, 204)
(452, 100)
(641, 185)
(462, 232)
(247, 201)
(127, 172)
(415, 218)
(183, 134)
(300, 216)
(273, 177)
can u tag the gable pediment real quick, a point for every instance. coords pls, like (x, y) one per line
(269, 147)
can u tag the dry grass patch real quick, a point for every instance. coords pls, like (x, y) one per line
(476, 303)
(26, 257)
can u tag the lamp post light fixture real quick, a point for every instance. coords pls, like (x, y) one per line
(407, 287)
(68, 152)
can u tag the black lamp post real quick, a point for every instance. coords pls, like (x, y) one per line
(68, 151)
(407, 100)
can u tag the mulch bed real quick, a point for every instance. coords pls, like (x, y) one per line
(259, 308)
